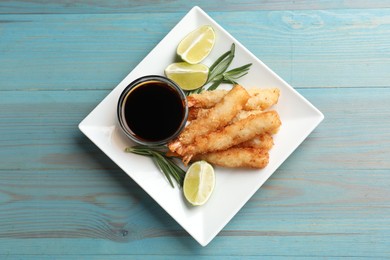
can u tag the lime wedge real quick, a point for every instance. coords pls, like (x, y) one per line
(194, 47)
(199, 183)
(187, 76)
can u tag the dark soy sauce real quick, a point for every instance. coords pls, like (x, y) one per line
(153, 111)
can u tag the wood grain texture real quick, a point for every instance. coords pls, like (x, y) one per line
(62, 198)
(154, 6)
(307, 48)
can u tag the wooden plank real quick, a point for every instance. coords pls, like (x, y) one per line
(316, 215)
(101, 6)
(336, 48)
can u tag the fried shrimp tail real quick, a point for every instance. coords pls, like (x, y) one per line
(237, 157)
(218, 116)
(231, 135)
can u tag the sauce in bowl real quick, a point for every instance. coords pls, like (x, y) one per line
(152, 110)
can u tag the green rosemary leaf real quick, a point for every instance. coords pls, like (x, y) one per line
(179, 172)
(239, 70)
(165, 163)
(215, 84)
(221, 64)
(223, 56)
(218, 73)
(163, 168)
(230, 76)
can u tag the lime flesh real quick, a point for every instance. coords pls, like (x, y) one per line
(197, 45)
(187, 76)
(199, 183)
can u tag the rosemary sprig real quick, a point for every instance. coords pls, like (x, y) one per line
(218, 73)
(221, 64)
(165, 163)
(230, 76)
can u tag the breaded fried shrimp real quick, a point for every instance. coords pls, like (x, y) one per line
(195, 112)
(244, 114)
(261, 98)
(231, 135)
(263, 141)
(237, 157)
(206, 99)
(217, 117)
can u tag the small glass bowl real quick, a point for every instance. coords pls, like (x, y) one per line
(144, 81)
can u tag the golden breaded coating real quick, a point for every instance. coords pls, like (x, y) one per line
(228, 131)
(231, 135)
(237, 157)
(244, 114)
(195, 112)
(206, 99)
(261, 98)
(218, 116)
(263, 141)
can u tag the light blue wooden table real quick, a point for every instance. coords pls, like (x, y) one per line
(61, 197)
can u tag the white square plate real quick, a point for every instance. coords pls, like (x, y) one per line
(233, 189)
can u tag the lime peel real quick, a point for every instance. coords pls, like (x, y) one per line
(196, 45)
(199, 183)
(187, 76)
